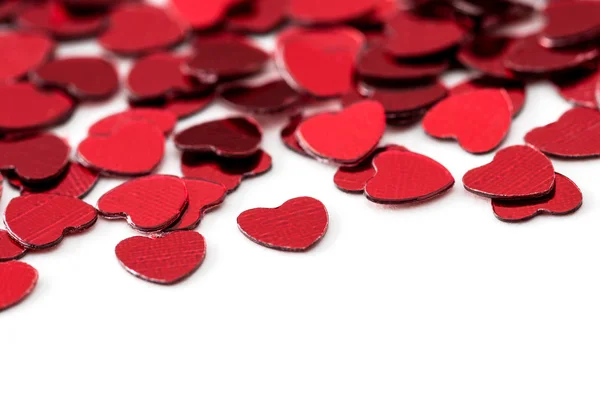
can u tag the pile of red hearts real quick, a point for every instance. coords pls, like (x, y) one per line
(381, 59)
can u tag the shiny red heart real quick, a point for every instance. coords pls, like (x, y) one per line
(514, 89)
(17, 281)
(165, 259)
(39, 221)
(164, 120)
(76, 181)
(203, 196)
(576, 134)
(565, 198)
(580, 89)
(296, 225)
(9, 249)
(486, 53)
(270, 97)
(319, 62)
(346, 137)
(263, 16)
(570, 23)
(150, 204)
(516, 172)
(120, 153)
(202, 15)
(329, 12)
(406, 177)
(39, 50)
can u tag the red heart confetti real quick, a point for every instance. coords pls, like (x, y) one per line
(17, 281)
(296, 225)
(570, 23)
(262, 16)
(39, 50)
(202, 15)
(9, 249)
(164, 120)
(578, 89)
(288, 135)
(120, 153)
(514, 89)
(39, 221)
(269, 97)
(150, 204)
(565, 198)
(73, 76)
(516, 172)
(478, 120)
(203, 196)
(76, 181)
(346, 137)
(330, 12)
(486, 54)
(575, 135)
(187, 107)
(231, 137)
(164, 259)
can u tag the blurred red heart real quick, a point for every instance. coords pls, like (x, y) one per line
(164, 120)
(570, 23)
(202, 15)
(39, 50)
(17, 281)
(263, 16)
(329, 12)
(580, 89)
(9, 249)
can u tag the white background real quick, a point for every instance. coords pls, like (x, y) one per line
(435, 301)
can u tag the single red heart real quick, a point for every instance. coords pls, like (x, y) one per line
(128, 32)
(319, 62)
(203, 196)
(39, 221)
(486, 53)
(329, 12)
(262, 17)
(39, 50)
(576, 134)
(164, 259)
(202, 15)
(9, 249)
(84, 78)
(25, 107)
(478, 120)
(228, 172)
(579, 89)
(406, 177)
(565, 198)
(17, 281)
(76, 181)
(270, 97)
(164, 120)
(150, 204)
(231, 137)
(121, 153)
(570, 23)
(288, 135)
(514, 89)
(516, 172)
(346, 137)
(296, 225)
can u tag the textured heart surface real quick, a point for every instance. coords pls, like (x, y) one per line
(514, 89)
(165, 259)
(149, 204)
(76, 181)
(120, 153)
(329, 12)
(478, 120)
(516, 172)
(571, 22)
(296, 225)
(9, 249)
(406, 177)
(17, 281)
(202, 196)
(346, 137)
(39, 221)
(576, 134)
(19, 62)
(164, 120)
(565, 198)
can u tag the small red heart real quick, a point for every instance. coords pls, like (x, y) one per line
(164, 120)
(478, 120)
(570, 23)
(296, 225)
(319, 62)
(329, 12)
(514, 89)
(575, 135)
(165, 259)
(565, 198)
(39, 50)
(9, 249)
(579, 90)
(231, 137)
(516, 172)
(128, 32)
(202, 15)
(486, 53)
(203, 196)
(121, 153)
(150, 204)
(39, 221)
(228, 172)
(270, 97)
(346, 137)
(84, 78)
(406, 177)
(262, 17)
(17, 281)
(76, 181)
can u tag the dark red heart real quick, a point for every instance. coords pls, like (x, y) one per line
(17, 281)
(262, 16)
(202, 15)
(329, 12)
(39, 50)
(270, 97)
(486, 53)
(579, 89)
(570, 23)
(296, 225)
(514, 89)
(164, 259)
(164, 120)
(182, 108)
(76, 181)
(203, 196)
(288, 135)
(9, 249)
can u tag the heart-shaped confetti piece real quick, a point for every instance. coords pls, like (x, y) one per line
(516, 172)
(570, 23)
(486, 54)
(39, 221)
(165, 259)
(76, 181)
(514, 89)
(185, 107)
(164, 120)
(580, 89)
(329, 12)
(9, 249)
(262, 16)
(288, 135)
(17, 62)
(17, 281)
(296, 225)
(203, 196)
(269, 97)
(202, 15)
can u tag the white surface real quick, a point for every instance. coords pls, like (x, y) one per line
(437, 301)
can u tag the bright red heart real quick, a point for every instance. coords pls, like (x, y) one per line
(17, 281)
(486, 53)
(263, 16)
(9, 249)
(76, 181)
(566, 198)
(270, 97)
(406, 177)
(517, 172)
(164, 120)
(296, 225)
(575, 135)
(578, 89)
(150, 204)
(319, 12)
(319, 62)
(346, 137)
(121, 153)
(514, 89)
(165, 259)
(39, 221)
(203, 196)
(478, 120)
(39, 50)
(570, 23)
(202, 15)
